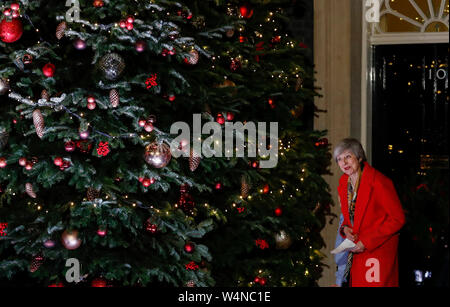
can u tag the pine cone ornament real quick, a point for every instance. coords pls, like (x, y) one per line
(45, 95)
(36, 262)
(245, 187)
(114, 98)
(29, 190)
(60, 29)
(298, 84)
(194, 161)
(38, 121)
(92, 194)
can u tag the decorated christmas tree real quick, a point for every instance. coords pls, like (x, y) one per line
(92, 169)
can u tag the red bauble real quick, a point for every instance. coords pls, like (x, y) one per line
(129, 26)
(28, 166)
(218, 186)
(123, 24)
(246, 11)
(230, 116)
(189, 247)
(142, 122)
(91, 105)
(15, 6)
(130, 19)
(3, 162)
(220, 119)
(98, 3)
(146, 182)
(171, 97)
(278, 211)
(98, 283)
(22, 161)
(148, 127)
(48, 70)
(11, 31)
(266, 189)
(262, 281)
(140, 46)
(58, 161)
(69, 146)
(101, 232)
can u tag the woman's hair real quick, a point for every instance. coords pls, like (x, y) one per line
(350, 144)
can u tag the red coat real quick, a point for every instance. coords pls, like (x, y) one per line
(377, 220)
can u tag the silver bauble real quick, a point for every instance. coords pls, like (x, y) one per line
(157, 155)
(112, 66)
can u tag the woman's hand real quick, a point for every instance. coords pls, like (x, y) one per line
(349, 233)
(359, 248)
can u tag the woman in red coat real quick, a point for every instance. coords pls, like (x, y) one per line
(373, 217)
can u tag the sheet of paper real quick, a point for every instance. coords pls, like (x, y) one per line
(346, 245)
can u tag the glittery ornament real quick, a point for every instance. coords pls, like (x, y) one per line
(4, 86)
(157, 155)
(114, 98)
(60, 29)
(11, 31)
(112, 66)
(38, 121)
(70, 239)
(192, 58)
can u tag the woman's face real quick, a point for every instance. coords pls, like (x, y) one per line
(348, 162)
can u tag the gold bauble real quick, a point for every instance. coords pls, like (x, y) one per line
(282, 240)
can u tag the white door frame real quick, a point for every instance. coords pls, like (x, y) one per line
(367, 69)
